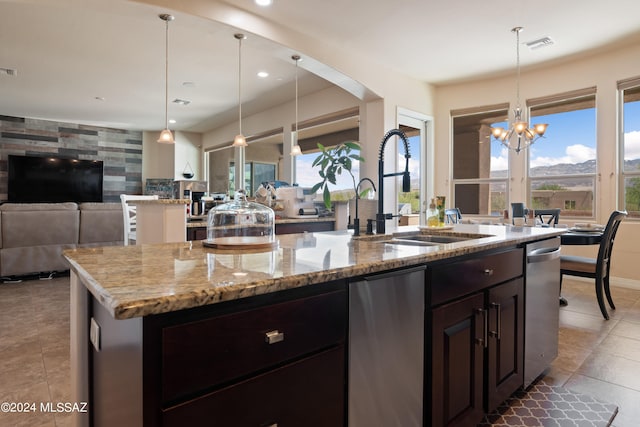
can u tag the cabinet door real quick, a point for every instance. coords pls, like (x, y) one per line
(309, 392)
(458, 344)
(505, 368)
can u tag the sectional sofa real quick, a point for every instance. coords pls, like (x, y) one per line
(33, 235)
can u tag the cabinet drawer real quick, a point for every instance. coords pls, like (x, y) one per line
(205, 353)
(307, 393)
(459, 278)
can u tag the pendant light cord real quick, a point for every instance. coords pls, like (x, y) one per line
(240, 37)
(296, 58)
(517, 31)
(166, 75)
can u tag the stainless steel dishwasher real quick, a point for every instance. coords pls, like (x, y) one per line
(386, 349)
(542, 311)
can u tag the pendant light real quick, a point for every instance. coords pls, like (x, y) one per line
(295, 148)
(166, 137)
(518, 136)
(239, 140)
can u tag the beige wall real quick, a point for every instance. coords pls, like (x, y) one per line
(603, 71)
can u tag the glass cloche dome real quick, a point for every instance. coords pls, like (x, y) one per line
(241, 218)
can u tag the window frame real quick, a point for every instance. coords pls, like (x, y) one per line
(506, 180)
(576, 97)
(623, 85)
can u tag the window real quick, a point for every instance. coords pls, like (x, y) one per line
(562, 165)
(255, 173)
(330, 131)
(409, 203)
(480, 165)
(630, 149)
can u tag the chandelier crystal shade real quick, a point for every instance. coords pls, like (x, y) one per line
(239, 140)
(295, 148)
(166, 137)
(519, 136)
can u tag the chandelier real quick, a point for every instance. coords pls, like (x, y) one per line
(519, 136)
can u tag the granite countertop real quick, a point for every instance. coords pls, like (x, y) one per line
(140, 280)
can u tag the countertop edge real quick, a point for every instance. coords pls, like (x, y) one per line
(232, 292)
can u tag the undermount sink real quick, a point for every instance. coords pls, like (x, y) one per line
(426, 239)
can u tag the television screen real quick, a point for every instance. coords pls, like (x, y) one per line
(34, 179)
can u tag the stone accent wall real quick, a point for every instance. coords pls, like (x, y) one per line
(120, 150)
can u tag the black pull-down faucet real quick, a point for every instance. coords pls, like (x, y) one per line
(381, 217)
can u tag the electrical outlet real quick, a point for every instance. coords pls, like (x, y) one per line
(94, 334)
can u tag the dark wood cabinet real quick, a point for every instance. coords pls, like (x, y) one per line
(477, 336)
(200, 233)
(273, 359)
(301, 227)
(505, 355)
(307, 393)
(196, 233)
(457, 366)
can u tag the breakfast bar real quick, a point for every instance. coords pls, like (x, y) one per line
(182, 334)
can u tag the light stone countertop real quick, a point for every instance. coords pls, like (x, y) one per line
(140, 280)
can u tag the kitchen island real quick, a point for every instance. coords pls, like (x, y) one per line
(180, 334)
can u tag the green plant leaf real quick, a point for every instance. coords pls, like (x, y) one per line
(352, 145)
(326, 196)
(316, 187)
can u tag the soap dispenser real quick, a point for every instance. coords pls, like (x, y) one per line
(432, 215)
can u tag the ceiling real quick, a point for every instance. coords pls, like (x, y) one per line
(101, 62)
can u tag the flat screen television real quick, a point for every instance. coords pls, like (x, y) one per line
(34, 179)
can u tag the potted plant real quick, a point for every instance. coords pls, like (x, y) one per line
(333, 162)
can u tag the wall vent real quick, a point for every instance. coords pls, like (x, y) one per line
(8, 71)
(537, 44)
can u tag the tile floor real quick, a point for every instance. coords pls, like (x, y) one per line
(597, 357)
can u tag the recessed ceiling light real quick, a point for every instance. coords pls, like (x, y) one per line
(181, 101)
(264, 2)
(263, 74)
(172, 121)
(99, 98)
(188, 84)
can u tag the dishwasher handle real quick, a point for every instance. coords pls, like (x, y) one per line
(543, 255)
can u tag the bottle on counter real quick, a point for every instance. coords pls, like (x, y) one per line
(433, 219)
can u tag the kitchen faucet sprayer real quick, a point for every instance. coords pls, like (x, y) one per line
(381, 217)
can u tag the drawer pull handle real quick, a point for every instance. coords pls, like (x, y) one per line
(488, 272)
(273, 337)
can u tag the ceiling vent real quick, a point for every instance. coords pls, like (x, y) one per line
(8, 71)
(537, 44)
(181, 101)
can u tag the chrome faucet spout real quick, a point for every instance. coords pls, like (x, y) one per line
(381, 217)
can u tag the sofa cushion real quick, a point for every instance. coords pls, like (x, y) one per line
(34, 259)
(101, 223)
(22, 228)
(66, 206)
